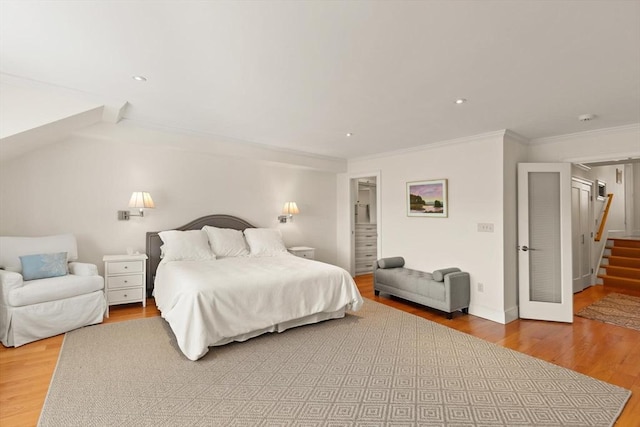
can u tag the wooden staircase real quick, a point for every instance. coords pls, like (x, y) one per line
(620, 268)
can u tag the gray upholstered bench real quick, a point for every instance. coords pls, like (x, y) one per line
(446, 290)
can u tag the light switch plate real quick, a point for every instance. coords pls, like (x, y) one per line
(485, 227)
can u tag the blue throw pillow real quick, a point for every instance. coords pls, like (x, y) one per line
(42, 266)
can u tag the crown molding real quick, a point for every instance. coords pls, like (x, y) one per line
(150, 124)
(113, 108)
(197, 141)
(516, 136)
(635, 127)
(434, 145)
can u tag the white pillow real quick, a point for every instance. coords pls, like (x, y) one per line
(191, 245)
(265, 241)
(226, 242)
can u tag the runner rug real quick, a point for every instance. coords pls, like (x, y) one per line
(376, 367)
(617, 309)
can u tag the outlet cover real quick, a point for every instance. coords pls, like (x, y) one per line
(485, 227)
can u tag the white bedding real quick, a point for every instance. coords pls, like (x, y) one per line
(214, 302)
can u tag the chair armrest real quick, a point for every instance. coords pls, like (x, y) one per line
(9, 281)
(458, 285)
(83, 269)
(439, 275)
(459, 278)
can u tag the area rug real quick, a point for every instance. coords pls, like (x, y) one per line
(617, 309)
(376, 367)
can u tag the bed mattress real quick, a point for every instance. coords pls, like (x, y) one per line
(209, 303)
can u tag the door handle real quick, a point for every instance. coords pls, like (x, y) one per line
(525, 248)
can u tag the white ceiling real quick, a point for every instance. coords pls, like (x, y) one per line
(301, 74)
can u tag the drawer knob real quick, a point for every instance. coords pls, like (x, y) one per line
(126, 266)
(125, 295)
(126, 281)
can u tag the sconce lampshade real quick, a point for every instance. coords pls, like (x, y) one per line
(290, 208)
(141, 199)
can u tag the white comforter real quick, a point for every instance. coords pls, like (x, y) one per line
(213, 302)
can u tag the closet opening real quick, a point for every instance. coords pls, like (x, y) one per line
(364, 223)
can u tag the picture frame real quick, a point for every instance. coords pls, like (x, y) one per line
(428, 198)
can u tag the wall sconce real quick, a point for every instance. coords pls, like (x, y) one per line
(139, 199)
(289, 210)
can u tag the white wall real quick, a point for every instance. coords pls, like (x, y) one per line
(616, 219)
(515, 151)
(25, 108)
(77, 186)
(604, 144)
(474, 170)
(482, 188)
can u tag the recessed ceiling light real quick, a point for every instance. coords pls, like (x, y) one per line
(139, 78)
(461, 101)
(349, 134)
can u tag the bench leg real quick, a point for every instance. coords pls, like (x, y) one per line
(465, 310)
(376, 293)
(449, 316)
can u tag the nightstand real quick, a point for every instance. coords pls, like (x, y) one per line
(125, 279)
(303, 252)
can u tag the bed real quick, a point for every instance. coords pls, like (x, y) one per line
(211, 302)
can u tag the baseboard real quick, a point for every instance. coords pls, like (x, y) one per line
(617, 233)
(512, 314)
(502, 317)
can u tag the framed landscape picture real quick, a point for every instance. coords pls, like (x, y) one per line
(427, 198)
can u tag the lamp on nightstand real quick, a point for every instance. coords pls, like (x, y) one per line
(289, 210)
(139, 199)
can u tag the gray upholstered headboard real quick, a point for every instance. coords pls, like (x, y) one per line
(154, 242)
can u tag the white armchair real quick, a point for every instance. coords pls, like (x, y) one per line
(34, 309)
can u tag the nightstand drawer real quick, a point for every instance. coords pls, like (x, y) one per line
(121, 296)
(304, 254)
(128, 281)
(122, 267)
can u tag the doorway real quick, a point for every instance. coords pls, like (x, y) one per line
(364, 222)
(544, 241)
(581, 233)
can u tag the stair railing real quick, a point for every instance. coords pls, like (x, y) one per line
(596, 271)
(604, 217)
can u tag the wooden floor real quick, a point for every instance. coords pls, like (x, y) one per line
(609, 353)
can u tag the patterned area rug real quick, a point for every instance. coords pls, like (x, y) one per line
(617, 309)
(377, 367)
